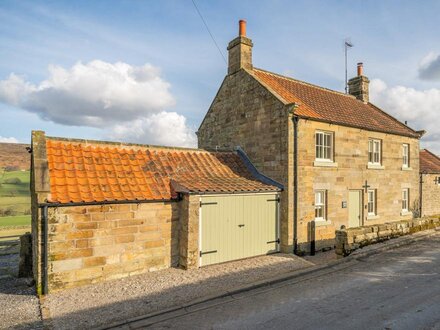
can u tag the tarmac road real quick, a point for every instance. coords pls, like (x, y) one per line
(396, 289)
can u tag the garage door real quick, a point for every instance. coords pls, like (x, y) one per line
(239, 226)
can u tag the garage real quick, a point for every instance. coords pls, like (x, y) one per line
(238, 226)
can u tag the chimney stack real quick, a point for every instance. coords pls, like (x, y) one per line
(359, 86)
(240, 50)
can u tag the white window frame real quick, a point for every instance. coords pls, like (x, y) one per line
(371, 202)
(405, 200)
(321, 203)
(405, 155)
(374, 151)
(322, 148)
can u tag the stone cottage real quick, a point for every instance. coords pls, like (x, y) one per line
(342, 160)
(105, 210)
(430, 183)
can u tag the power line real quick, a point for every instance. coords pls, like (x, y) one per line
(207, 28)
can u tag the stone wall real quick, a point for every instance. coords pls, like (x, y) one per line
(89, 244)
(349, 172)
(189, 232)
(430, 195)
(40, 189)
(348, 240)
(246, 114)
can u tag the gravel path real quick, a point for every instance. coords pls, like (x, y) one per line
(108, 302)
(19, 303)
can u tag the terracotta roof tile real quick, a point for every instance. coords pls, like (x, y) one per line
(331, 106)
(80, 172)
(429, 162)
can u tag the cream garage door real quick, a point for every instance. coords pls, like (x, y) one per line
(238, 226)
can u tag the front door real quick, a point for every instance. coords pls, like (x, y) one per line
(354, 208)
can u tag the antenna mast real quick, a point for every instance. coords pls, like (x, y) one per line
(347, 44)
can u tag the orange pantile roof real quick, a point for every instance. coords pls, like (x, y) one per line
(95, 172)
(429, 163)
(330, 106)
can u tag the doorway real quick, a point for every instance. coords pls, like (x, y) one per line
(354, 208)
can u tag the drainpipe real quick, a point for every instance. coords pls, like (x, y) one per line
(45, 248)
(295, 120)
(420, 194)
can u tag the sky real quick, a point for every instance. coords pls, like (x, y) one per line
(147, 71)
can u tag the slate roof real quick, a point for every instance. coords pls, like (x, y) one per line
(95, 172)
(429, 162)
(330, 106)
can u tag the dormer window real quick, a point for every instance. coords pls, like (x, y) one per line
(375, 152)
(324, 146)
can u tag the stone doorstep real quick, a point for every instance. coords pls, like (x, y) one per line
(297, 276)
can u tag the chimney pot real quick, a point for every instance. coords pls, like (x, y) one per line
(242, 28)
(360, 69)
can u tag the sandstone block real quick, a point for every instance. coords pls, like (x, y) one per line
(94, 261)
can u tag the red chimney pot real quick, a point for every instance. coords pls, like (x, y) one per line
(360, 69)
(242, 28)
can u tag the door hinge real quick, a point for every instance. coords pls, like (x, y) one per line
(207, 252)
(208, 203)
(277, 241)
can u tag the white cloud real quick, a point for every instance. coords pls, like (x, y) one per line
(421, 108)
(8, 140)
(130, 101)
(164, 128)
(429, 67)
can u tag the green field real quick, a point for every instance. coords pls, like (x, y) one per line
(18, 220)
(14, 198)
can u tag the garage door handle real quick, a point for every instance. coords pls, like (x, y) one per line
(240, 226)
(207, 252)
(277, 241)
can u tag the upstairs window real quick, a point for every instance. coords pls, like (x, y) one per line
(372, 205)
(405, 200)
(324, 146)
(405, 150)
(320, 205)
(375, 151)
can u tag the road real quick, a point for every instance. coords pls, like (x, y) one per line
(397, 289)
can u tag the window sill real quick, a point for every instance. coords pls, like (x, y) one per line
(405, 213)
(405, 168)
(323, 163)
(372, 217)
(319, 223)
(375, 166)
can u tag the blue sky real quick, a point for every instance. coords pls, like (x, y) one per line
(166, 44)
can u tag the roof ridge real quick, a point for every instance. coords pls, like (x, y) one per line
(124, 144)
(431, 153)
(305, 83)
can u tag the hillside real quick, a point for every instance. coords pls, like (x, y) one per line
(14, 155)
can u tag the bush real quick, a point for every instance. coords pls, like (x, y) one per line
(12, 168)
(7, 212)
(12, 181)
